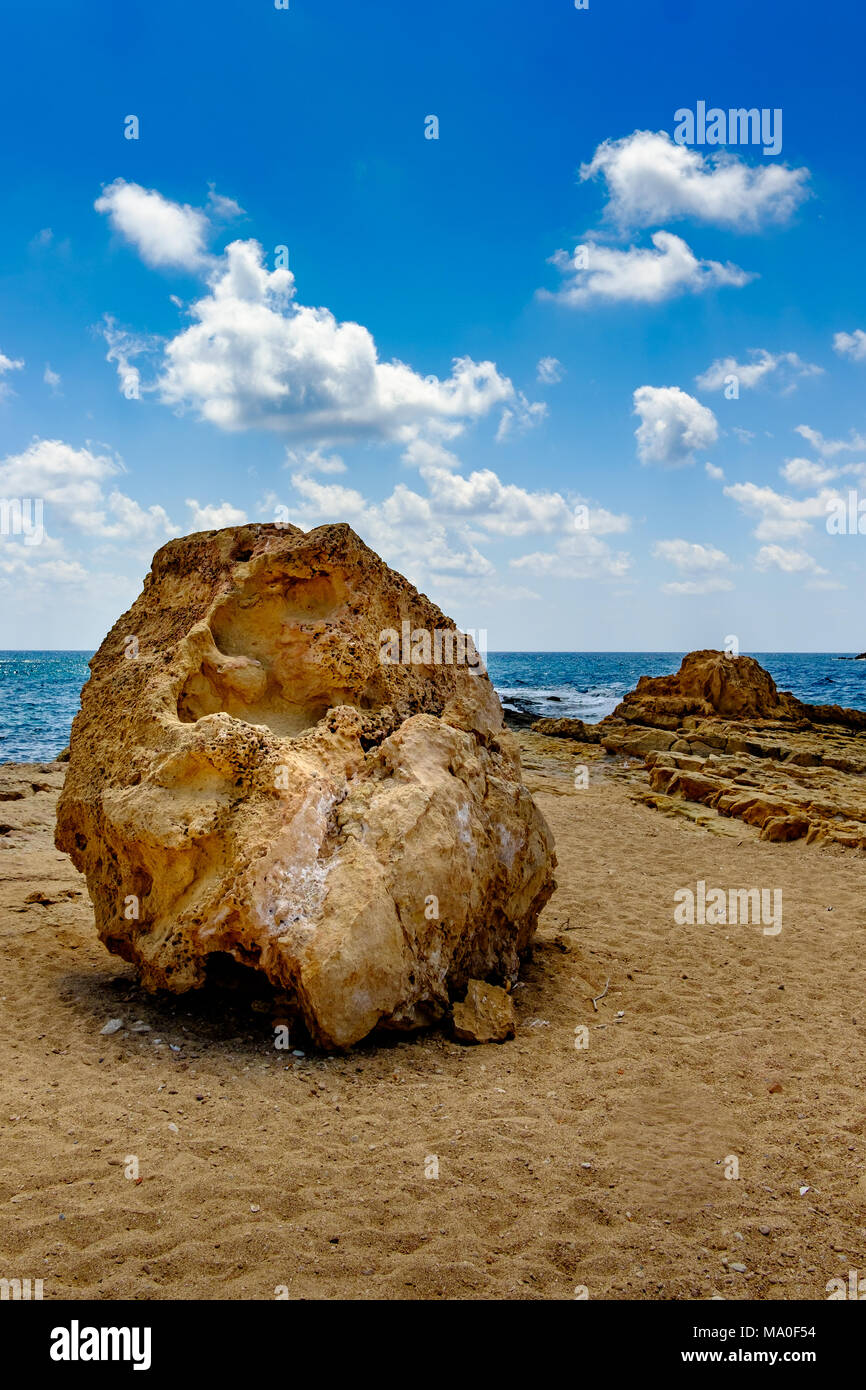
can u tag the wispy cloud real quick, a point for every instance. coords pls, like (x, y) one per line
(639, 275)
(786, 367)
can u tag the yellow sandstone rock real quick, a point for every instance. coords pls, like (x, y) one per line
(718, 733)
(486, 1014)
(249, 779)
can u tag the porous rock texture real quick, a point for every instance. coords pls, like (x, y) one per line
(718, 733)
(247, 779)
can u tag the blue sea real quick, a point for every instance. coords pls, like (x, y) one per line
(39, 691)
(38, 701)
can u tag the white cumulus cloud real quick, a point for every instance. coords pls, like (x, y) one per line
(638, 274)
(786, 560)
(165, 234)
(673, 425)
(650, 179)
(213, 517)
(705, 567)
(780, 517)
(72, 485)
(805, 473)
(579, 556)
(435, 535)
(253, 357)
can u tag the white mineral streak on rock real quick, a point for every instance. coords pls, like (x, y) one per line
(509, 844)
(292, 889)
(463, 829)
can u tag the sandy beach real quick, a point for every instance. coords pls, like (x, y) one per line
(561, 1168)
(432, 675)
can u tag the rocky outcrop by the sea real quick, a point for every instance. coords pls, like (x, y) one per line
(718, 733)
(265, 769)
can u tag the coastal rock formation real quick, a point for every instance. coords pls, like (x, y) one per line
(255, 774)
(567, 728)
(708, 683)
(719, 733)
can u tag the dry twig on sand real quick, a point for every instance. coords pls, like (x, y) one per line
(601, 996)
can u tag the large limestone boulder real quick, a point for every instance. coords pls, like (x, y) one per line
(256, 774)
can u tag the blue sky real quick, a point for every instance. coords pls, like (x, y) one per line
(523, 431)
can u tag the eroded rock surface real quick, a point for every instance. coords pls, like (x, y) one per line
(247, 779)
(720, 734)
